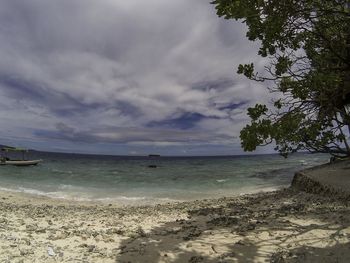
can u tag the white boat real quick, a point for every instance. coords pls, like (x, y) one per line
(21, 162)
(4, 160)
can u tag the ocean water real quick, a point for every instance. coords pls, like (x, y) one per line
(128, 180)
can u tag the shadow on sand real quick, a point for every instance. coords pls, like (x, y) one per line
(283, 226)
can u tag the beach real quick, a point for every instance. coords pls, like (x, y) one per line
(288, 225)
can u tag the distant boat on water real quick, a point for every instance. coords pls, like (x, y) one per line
(152, 156)
(5, 160)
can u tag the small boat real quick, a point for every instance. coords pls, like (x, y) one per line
(22, 162)
(154, 155)
(5, 160)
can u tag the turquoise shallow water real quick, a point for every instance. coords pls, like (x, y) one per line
(130, 180)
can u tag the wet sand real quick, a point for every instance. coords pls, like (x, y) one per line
(287, 225)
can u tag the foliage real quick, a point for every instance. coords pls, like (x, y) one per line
(308, 45)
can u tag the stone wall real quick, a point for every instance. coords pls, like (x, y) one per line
(302, 181)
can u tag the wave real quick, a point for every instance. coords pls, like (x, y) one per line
(69, 196)
(263, 189)
(61, 171)
(273, 173)
(304, 162)
(54, 195)
(222, 180)
(71, 187)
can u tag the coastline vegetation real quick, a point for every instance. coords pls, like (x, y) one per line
(307, 44)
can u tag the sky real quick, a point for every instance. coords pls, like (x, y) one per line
(124, 77)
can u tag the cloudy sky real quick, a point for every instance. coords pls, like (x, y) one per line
(123, 77)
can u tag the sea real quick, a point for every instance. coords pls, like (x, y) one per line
(149, 180)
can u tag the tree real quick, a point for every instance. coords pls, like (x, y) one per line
(307, 43)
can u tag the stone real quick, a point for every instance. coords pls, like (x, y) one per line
(91, 248)
(50, 252)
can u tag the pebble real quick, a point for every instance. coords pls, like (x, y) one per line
(50, 252)
(91, 248)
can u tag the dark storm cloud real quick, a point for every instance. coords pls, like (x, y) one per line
(58, 102)
(157, 70)
(185, 121)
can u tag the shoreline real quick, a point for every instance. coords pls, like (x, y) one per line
(286, 225)
(21, 196)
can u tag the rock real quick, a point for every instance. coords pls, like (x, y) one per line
(241, 243)
(141, 232)
(278, 257)
(196, 259)
(108, 240)
(194, 232)
(40, 231)
(31, 227)
(223, 221)
(91, 248)
(245, 227)
(118, 231)
(27, 241)
(3, 221)
(141, 250)
(50, 252)
(24, 252)
(228, 255)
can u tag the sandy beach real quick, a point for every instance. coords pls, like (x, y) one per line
(287, 225)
